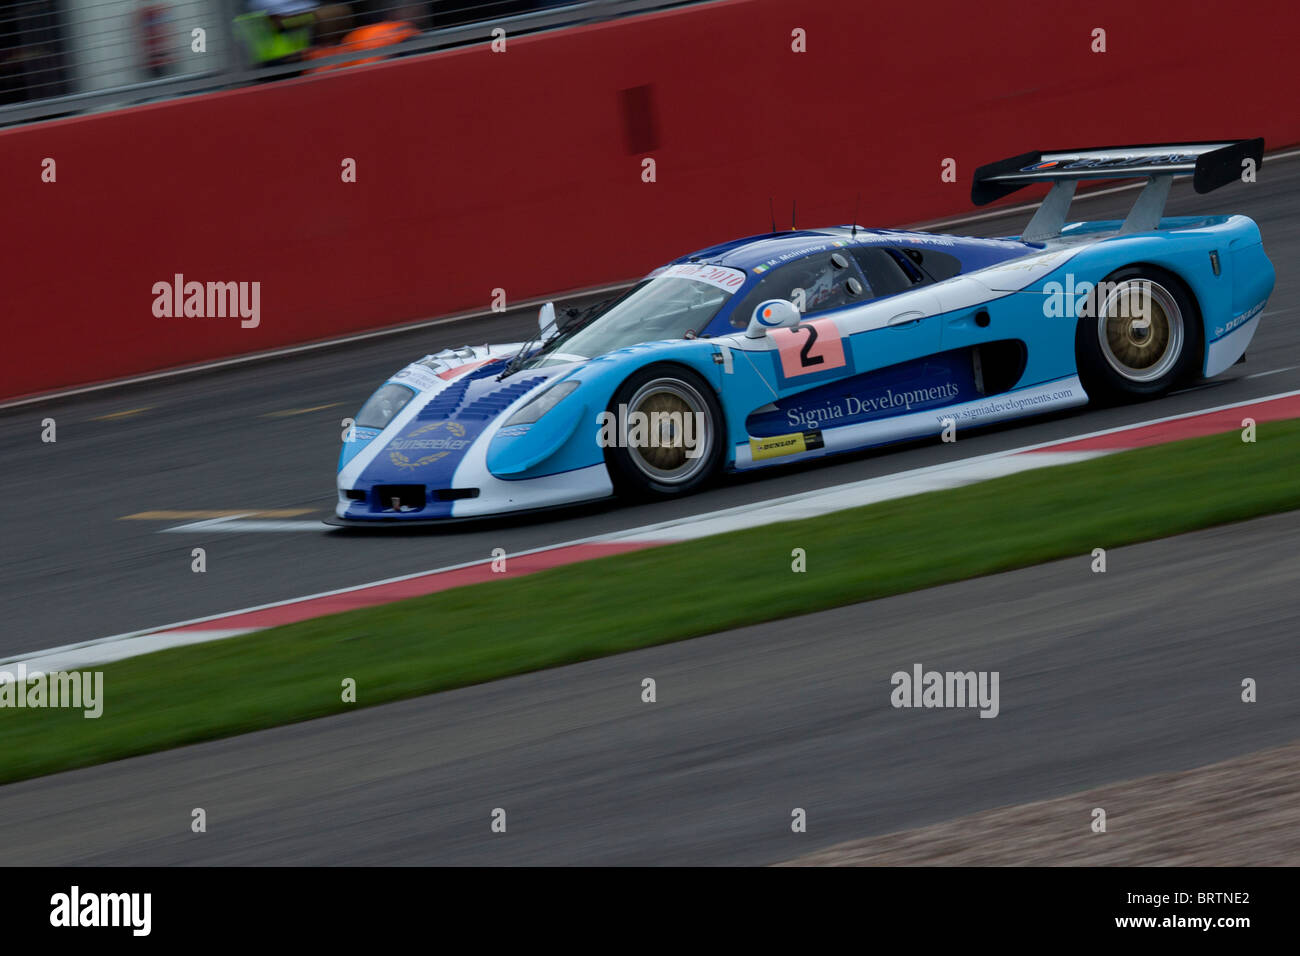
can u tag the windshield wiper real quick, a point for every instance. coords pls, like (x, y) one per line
(517, 360)
(574, 319)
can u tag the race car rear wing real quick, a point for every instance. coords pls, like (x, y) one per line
(1210, 165)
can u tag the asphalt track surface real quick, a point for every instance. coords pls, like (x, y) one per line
(1103, 678)
(265, 436)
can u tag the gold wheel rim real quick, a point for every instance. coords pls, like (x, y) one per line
(1140, 329)
(666, 457)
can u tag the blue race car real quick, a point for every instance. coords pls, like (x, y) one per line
(791, 346)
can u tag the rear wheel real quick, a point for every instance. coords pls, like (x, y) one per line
(668, 438)
(1140, 337)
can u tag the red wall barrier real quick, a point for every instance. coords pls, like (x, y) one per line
(523, 170)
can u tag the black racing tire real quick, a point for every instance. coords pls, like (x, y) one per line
(1140, 336)
(668, 471)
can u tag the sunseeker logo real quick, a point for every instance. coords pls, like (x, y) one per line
(74, 909)
(412, 441)
(76, 690)
(638, 429)
(211, 300)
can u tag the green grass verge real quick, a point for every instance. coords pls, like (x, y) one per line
(492, 630)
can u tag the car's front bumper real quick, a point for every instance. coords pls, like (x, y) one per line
(479, 494)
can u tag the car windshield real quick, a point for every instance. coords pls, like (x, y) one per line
(671, 304)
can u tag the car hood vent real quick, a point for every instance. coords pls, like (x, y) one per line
(481, 399)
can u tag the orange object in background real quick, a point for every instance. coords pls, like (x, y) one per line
(370, 37)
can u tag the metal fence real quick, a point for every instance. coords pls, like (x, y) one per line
(63, 57)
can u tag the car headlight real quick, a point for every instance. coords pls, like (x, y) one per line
(383, 406)
(542, 404)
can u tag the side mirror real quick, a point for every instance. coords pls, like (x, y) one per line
(546, 318)
(772, 314)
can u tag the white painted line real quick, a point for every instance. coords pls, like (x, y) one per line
(61, 659)
(1160, 421)
(817, 504)
(957, 470)
(208, 524)
(960, 472)
(128, 635)
(238, 526)
(648, 532)
(1274, 371)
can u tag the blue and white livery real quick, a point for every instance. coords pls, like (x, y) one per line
(793, 346)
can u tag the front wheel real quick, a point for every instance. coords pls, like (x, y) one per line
(1140, 336)
(666, 435)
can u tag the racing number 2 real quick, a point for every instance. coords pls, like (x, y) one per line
(811, 347)
(806, 358)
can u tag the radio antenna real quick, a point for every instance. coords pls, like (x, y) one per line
(792, 208)
(855, 216)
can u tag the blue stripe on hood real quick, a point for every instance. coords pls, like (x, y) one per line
(429, 449)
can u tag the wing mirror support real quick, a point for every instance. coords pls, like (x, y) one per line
(772, 314)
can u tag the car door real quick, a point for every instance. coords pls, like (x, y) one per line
(864, 308)
(899, 321)
(859, 344)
